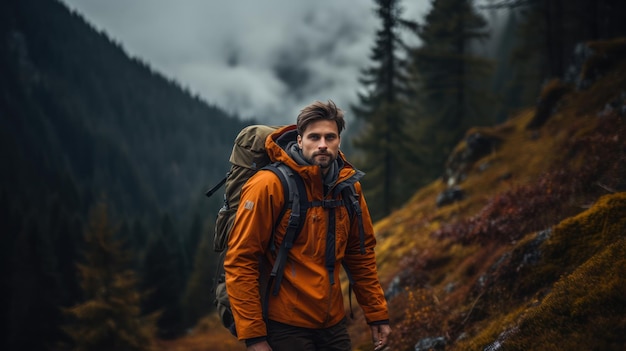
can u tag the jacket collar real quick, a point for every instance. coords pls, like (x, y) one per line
(276, 147)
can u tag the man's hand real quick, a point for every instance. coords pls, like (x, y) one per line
(380, 336)
(260, 346)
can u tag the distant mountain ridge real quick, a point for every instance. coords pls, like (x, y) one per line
(83, 123)
(109, 121)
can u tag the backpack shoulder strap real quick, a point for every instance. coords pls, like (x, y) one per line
(288, 196)
(296, 199)
(351, 197)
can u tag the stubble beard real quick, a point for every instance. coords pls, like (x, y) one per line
(324, 165)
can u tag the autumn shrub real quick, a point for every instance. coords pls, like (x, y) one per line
(593, 157)
(508, 216)
(421, 318)
(414, 268)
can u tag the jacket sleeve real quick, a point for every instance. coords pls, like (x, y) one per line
(247, 244)
(362, 267)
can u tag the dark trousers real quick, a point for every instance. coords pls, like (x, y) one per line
(283, 337)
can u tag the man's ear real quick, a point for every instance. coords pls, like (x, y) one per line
(299, 140)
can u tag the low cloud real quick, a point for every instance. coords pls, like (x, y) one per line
(258, 59)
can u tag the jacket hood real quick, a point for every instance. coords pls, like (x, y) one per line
(276, 147)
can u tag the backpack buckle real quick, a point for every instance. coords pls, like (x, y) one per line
(331, 203)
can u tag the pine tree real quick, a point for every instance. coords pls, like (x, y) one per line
(198, 300)
(163, 277)
(385, 146)
(110, 317)
(453, 82)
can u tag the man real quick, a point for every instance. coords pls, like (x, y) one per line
(308, 312)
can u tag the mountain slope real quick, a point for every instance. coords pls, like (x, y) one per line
(82, 122)
(73, 96)
(527, 253)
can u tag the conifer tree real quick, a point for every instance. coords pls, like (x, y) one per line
(384, 144)
(110, 316)
(454, 82)
(198, 300)
(163, 277)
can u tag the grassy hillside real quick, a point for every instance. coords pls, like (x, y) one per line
(531, 258)
(531, 255)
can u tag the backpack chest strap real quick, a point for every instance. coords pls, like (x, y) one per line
(296, 199)
(328, 203)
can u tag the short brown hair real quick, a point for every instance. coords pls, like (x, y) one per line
(320, 111)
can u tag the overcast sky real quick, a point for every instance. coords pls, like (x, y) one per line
(243, 55)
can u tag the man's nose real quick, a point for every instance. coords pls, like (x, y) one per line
(322, 144)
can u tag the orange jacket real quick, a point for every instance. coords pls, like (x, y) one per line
(306, 297)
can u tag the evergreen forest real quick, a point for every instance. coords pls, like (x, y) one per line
(494, 151)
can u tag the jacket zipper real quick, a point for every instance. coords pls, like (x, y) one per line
(330, 287)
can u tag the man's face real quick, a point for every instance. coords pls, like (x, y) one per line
(320, 143)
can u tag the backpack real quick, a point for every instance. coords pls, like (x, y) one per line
(248, 157)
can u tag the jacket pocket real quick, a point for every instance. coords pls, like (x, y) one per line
(313, 238)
